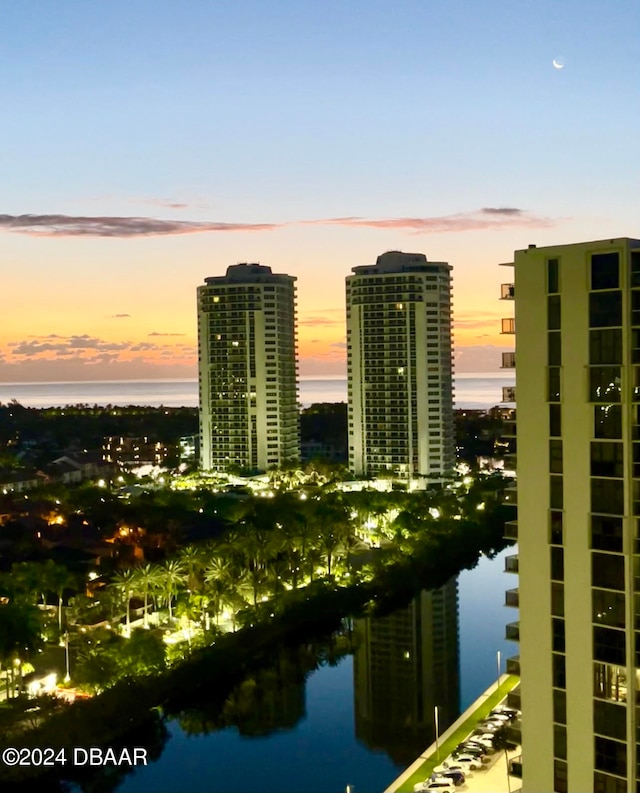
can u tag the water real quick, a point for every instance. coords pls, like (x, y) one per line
(362, 721)
(472, 391)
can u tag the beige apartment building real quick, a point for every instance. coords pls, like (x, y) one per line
(577, 360)
(400, 369)
(247, 364)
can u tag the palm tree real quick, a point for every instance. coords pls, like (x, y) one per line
(172, 574)
(57, 579)
(124, 583)
(20, 632)
(146, 577)
(193, 559)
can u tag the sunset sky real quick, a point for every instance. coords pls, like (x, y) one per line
(146, 145)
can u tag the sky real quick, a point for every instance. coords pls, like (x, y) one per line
(147, 145)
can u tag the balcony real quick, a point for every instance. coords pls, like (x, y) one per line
(513, 665)
(512, 632)
(513, 733)
(509, 429)
(508, 393)
(511, 461)
(511, 599)
(507, 291)
(511, 530)
(508, 360)
(513, 698)
(509, 325)
(511, 563)
(511, 495)
(515, 767)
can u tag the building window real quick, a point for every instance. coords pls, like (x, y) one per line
(602, 783)
(553, 384)
(560, 706)
(609, 646)
(607, 421)
(559, 776)
(605, 309)
(554, 349)
(605, 384)
(559, 742)
(555, 528)
(557, 564)
(555, 457)
(556, 492)
(559, 671)
(553, 312)
(557, 600)
(605, 271)
(607, 571)
(608, 608)
(553, 275)
(605, 346)
(607, 459)
(557, 636)
(606, 533)
(555, 420)
(611, 756)
(607, 496)
(609, 683)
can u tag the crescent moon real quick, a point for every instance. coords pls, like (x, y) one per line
(557, 64)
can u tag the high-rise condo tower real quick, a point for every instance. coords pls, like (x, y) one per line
(249, 417)
(400, 369)
(577, 324)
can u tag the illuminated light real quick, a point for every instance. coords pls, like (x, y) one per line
(434, 512)
(92, 576)
(101, 483)
(480, 506)
(201, 510)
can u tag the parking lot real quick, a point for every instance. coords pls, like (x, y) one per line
(493, 775)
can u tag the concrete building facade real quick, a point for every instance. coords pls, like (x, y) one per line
(399, 358)
(577, 324)
(247, 363)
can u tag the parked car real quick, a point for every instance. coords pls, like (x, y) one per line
(470, 748)
(450, 765)
(470, 761)
(491, 725)
(512, 713)
(483, 743)
(438, 784)
(497, 715)
(457, 777)
(480, 734)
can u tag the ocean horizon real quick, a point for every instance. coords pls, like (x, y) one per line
(473, 390)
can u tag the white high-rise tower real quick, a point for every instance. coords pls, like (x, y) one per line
(248, 370)
(400, 369)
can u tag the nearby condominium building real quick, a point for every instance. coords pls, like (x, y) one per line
(577, 323)
(400, 368)
(247, 370)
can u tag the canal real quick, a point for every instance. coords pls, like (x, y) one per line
(354, 712)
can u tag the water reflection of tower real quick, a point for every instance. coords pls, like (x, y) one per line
(404, 665)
